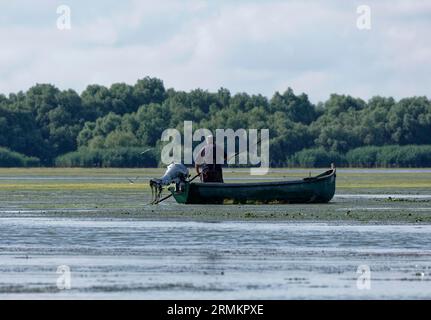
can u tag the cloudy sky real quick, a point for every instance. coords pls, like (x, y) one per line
(243, 45)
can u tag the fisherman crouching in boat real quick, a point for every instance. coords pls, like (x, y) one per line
(209, 161)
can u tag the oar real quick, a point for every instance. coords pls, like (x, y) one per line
(195, 177)
(163, 199)
(170, 195)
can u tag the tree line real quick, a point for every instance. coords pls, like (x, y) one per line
(110, 126)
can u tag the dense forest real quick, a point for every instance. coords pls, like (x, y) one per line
(102, 126)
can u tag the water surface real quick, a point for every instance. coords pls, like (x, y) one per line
(135, 258)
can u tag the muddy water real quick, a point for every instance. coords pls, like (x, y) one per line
(137, 258)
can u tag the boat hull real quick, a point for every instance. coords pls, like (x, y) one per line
(319, 189)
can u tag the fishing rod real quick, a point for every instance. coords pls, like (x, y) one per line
(132, 181)
(233, 156)
(145, 151)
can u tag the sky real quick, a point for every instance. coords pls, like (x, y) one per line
(248, 46)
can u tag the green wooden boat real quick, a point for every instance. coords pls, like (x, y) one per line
(317, 189)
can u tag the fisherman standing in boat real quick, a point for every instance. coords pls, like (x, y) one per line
(209, 161)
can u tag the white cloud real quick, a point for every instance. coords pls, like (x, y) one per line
(252, 46)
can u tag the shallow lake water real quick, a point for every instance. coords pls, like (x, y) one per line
(373, 240)
(152, 259)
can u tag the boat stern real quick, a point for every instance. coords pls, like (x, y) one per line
(180, 196)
